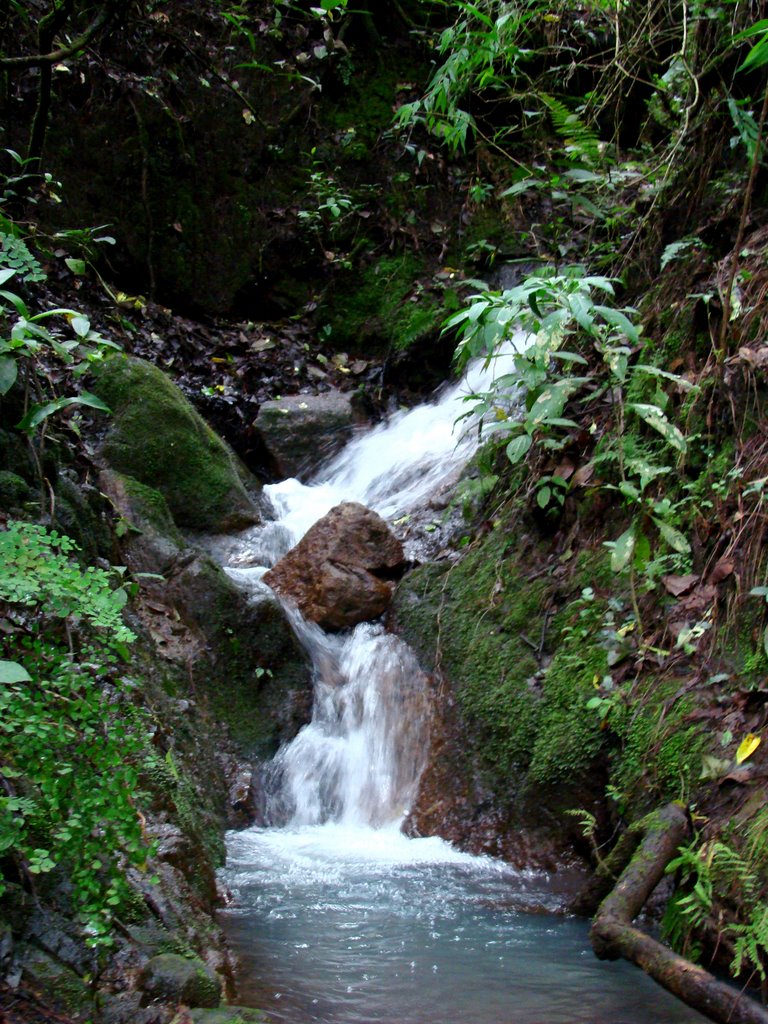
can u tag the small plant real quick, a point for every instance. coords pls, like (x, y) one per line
(16, 257)
(30, 343)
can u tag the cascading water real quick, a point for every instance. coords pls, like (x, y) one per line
(339, 918)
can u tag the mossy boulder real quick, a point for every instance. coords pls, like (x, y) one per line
(158, 438)
(14, 490)
(247, 660)
(222, 1015)
(170, 978)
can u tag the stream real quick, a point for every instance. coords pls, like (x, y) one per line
(336, 916)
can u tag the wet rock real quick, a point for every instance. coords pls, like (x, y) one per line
(342, 570)
(159, 439)
(170, 978)
(300, 431)
(246, 657)
(223, 1015)
(59, 984)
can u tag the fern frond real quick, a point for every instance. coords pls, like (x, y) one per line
(570, 127)
(751, 944)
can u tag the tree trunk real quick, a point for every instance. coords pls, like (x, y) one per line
(613, 935)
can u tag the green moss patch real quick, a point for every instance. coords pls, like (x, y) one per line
(384, 306)
(160, 440)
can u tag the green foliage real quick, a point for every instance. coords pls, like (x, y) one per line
(26, 350)
(69, 735)
(712, 872)
(15, 256)
(331, 212)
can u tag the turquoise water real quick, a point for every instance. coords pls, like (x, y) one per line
(347, 925)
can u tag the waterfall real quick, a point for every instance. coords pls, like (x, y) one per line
(359, 760)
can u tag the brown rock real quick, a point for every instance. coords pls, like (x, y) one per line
(341, 572)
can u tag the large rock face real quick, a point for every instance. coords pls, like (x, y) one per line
(241, 652)
(300, 431)
(158, 438)
(341, 572)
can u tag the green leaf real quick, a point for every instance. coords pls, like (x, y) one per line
(81, 325)
(6, 273)
(551, 401)
(518, 447)
(13, 672)
(617, 319)
(676, 540)
(623, 549)
(8, 373)
(92, 401)
(78, 267)
(655, 418)
(38, 413)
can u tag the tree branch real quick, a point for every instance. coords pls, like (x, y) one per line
(40, 60)
(613, 935)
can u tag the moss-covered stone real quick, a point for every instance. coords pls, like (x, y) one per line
(383, 306)
(160, 440)
(488, 609)
(222, 1015)
(59, 983)
(170, 978)
(259, 685)
(14, 490)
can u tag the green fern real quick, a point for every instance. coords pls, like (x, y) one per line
(578, 135)
(751, 946)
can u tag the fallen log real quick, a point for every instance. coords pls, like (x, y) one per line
(613, 935)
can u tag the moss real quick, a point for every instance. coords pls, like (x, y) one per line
(568, 737)
(64, 988)
(149, 505)
(661, 753)
(489, 609)
(161, 441)
(385, 305)
(14, 491)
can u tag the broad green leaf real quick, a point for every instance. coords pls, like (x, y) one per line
(77, 267)
(676, 540)
(623, 549)
(629, 490)
(747, 747)
(582, 174)
(518, 447)
(521, 187)
(92, 401)
(758, 55)
(570, 357)
(642, 553)
(81, 325)
(616, 318)
(8, 373)
(655, 418)
(551, 402)
(6, 273)
(13, 672)
(654, 371)
(542, 496)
